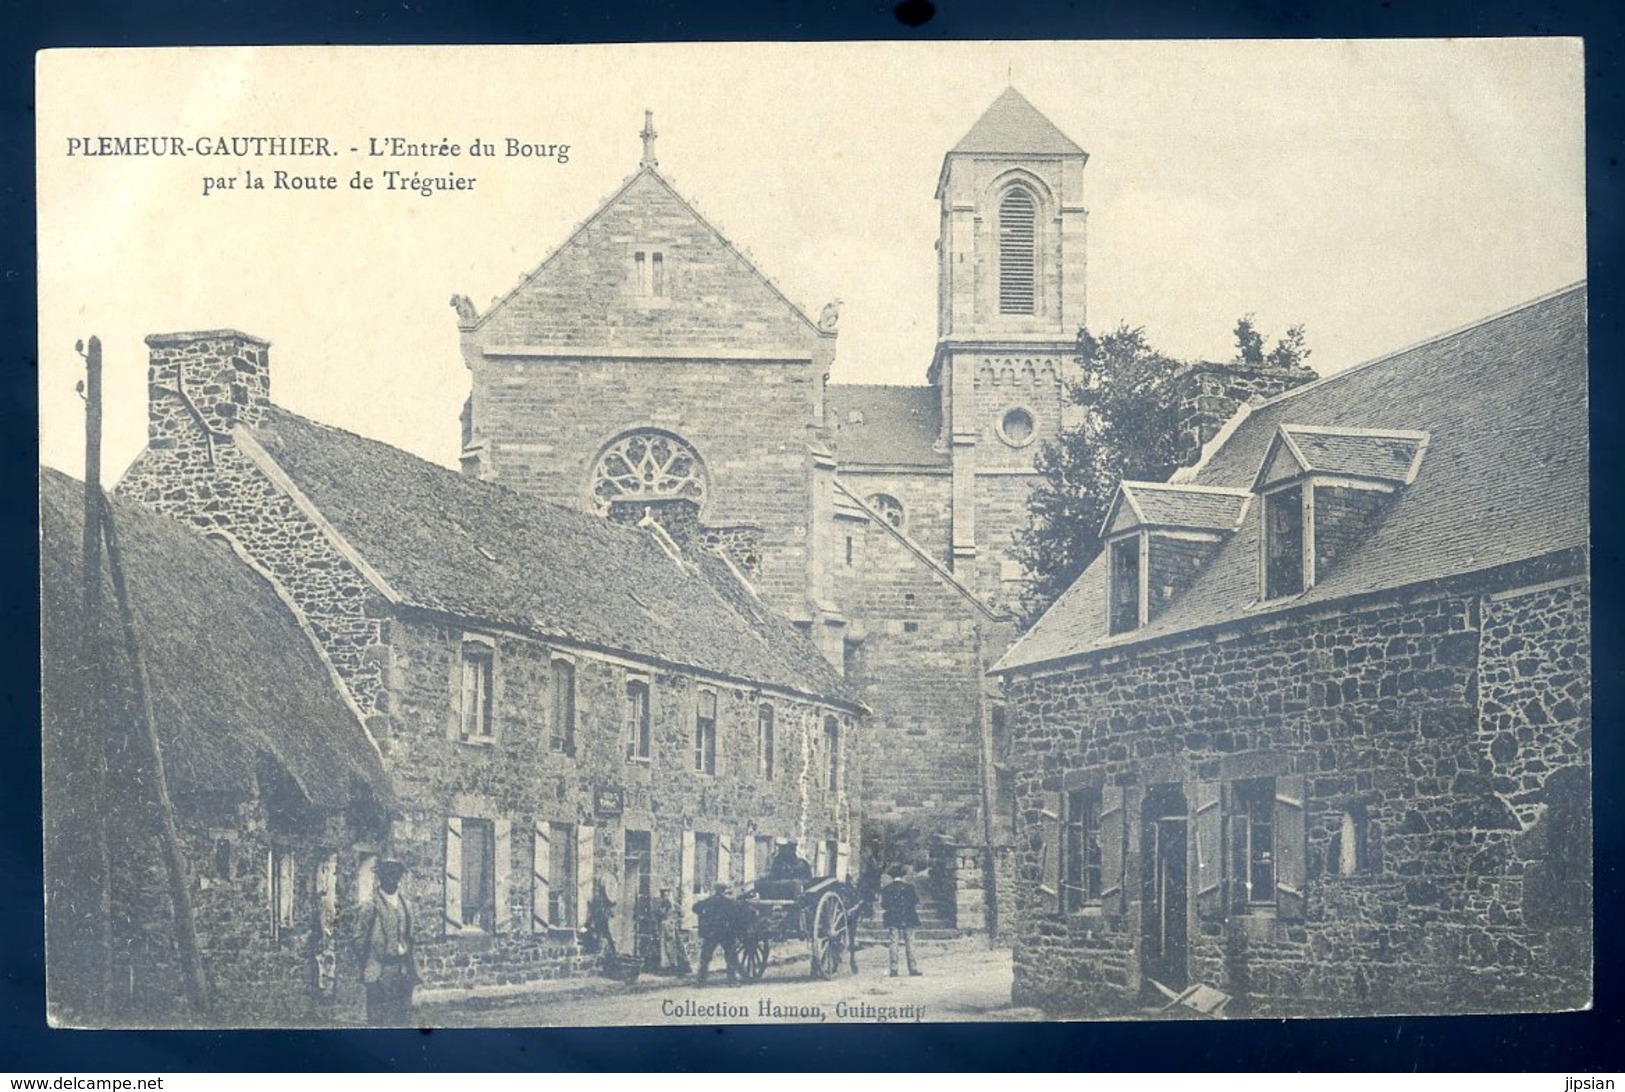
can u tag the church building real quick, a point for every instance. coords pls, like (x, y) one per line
(647, 367)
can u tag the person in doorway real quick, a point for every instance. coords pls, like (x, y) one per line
(900, 914)
(718, 927)
(388, 962)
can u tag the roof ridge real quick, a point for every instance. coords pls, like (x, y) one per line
(1433, 339)
(1218, 490)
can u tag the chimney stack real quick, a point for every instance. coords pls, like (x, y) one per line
(202, 384)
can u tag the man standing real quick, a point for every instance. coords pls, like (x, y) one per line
(719, 925)
(900, 914)
(388, 964)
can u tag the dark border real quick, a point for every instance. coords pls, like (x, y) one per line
(1571, 1042)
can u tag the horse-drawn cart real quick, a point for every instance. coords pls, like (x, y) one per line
(821, 912)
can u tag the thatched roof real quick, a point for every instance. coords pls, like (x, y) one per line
(235, 684)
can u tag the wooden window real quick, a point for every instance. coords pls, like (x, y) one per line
(562, 877)
(283, 886)
(564, 707)
(1018, 216)
(637, 719)
(832, 754)
(705, 732)
(1127, 585)
(1283, 543)
(1080, 878)
(479, 875)
(1252, 844)
(764, 742)
(657, 275)
(478, 676)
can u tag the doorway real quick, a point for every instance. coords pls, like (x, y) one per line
(1164, 893)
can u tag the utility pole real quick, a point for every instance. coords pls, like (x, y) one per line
(95, 664)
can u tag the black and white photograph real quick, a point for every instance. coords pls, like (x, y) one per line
(814, 533)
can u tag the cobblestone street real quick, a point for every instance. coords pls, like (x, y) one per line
(960, 980)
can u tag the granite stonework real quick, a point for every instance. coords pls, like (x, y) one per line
(1445, 731)
(401, 666)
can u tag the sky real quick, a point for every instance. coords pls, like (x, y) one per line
(1379, 193)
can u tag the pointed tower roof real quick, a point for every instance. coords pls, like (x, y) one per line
(1014, 125)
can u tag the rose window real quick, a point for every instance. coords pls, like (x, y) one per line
(648, 466)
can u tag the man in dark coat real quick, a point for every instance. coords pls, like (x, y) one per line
(718, 926)
(388, 962)
(789, 865)
(900, 914)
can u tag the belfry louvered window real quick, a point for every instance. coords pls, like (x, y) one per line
(1017, 252)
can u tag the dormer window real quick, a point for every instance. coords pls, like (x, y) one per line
(1159, 537)
(1284, 563)
(1128, 580)
(1323, 489)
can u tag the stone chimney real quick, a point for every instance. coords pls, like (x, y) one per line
(1209, 394)
(202, 384)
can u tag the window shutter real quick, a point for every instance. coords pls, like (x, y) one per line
(749, 852)
(685, 884)
(541, 867)
(585, 862)
(1113, 842)
(1290, 851)
(1209, 850)
(725, 855)
(501, 920)
(843, 853)
(454, 874)
(1049, 887)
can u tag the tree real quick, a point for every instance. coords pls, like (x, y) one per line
(1129, 430)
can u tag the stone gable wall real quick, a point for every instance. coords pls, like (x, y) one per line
(587, 294)
(1210, 394)
(545, 421)
(1436, 718)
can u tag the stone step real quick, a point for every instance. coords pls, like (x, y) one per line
(870, 935)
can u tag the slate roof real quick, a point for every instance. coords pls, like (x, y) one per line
(1504, 478)
(479, 551)
(233, 678)
(1014, 125)
(1366, 454)
(1155, 505)
(899, 426)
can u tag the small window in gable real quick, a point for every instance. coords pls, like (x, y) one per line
(1284, 568)
(1127, 584)
(649, 273)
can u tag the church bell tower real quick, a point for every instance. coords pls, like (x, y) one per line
(1010, 288)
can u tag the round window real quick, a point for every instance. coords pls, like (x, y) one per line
(1016, 428)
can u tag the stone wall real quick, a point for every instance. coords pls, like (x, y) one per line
(1435, 722)
(519, 780)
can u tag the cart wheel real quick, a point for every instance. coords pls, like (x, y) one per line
(828, 935)
(750, 956)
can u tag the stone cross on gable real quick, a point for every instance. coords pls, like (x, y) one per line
(648, 136)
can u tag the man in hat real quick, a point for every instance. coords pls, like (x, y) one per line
(388, 964)
(900, 914)
(718, 925)
(788, 864)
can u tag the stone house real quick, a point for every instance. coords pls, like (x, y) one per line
(201, 739)
(647, 359)
(563, 704)
(1314, 728)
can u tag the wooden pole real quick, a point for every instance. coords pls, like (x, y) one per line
(984, 722)
(96, 666)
